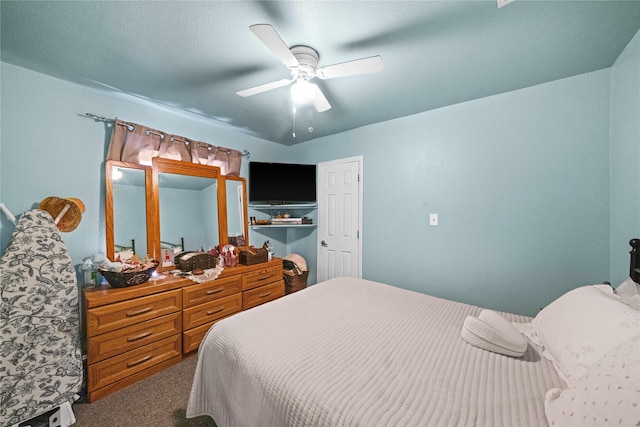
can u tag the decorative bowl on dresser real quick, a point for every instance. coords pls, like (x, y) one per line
(136, 331)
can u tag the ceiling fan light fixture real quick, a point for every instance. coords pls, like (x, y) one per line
(302, 63)
(302, 92)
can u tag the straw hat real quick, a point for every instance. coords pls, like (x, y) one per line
(70, 219)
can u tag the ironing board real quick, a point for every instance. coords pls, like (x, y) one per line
(40, 354)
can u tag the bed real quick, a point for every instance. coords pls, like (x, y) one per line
(353, 352)
(177, 247)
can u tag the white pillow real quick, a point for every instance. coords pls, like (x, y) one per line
(629, 293)
(492, 332)
(527, 330)
(578, 328)
(607, 395)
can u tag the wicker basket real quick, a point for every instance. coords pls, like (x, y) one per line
(294, 282)
(122, 280)
(251, 256)
(199, 260)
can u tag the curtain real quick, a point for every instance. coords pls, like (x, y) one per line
(135, 143)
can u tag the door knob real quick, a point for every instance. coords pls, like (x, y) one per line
(323, 244)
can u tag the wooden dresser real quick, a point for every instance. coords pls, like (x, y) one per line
(137, 331)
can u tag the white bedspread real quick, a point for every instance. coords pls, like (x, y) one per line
(351, 352)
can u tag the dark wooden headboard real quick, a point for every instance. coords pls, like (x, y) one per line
(634, 266)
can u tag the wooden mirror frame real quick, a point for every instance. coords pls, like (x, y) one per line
(177, 167)
(245, 212)
(152, 200)
(109, 204)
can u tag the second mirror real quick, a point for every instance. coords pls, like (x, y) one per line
(187, 209)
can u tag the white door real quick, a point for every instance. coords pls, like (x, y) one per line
(340, 218)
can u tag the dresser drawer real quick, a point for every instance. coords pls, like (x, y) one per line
(262, 276)
(116, 342)
(119, 315)
(192, 338)
(119, 367)
(209, 291)
(205, 313)
(262, 294)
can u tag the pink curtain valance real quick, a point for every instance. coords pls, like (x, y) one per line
(135, 143)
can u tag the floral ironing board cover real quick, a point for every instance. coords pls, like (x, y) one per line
(40, 354)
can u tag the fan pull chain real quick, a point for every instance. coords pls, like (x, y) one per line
(294, 121)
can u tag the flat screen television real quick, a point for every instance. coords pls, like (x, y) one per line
(281, 183)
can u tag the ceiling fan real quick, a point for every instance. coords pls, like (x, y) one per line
(302, 62)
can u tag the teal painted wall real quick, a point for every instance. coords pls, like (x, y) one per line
(521, 185)
(625, 157)
(48, 150)
(521, 180)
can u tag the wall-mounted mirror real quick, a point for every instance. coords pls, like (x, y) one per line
(125, 209)
(236, 201)
(186, 213)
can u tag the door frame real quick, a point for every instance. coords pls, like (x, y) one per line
(360, 160)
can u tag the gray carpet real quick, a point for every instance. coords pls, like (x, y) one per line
(157, 401)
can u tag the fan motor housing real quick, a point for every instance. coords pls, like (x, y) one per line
(308, 59)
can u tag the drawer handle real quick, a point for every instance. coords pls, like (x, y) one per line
(139, 337)
(217, 310)
(139, 361)
(138, 312)
(265, 294)
(214, 291)
(264, 277)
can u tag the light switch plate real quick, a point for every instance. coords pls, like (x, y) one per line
(433, 219)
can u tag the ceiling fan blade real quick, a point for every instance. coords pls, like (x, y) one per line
(372, 64)
(319, 100)
(268, 35)
(263, 88)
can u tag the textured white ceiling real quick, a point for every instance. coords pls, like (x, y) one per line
(194, 56)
